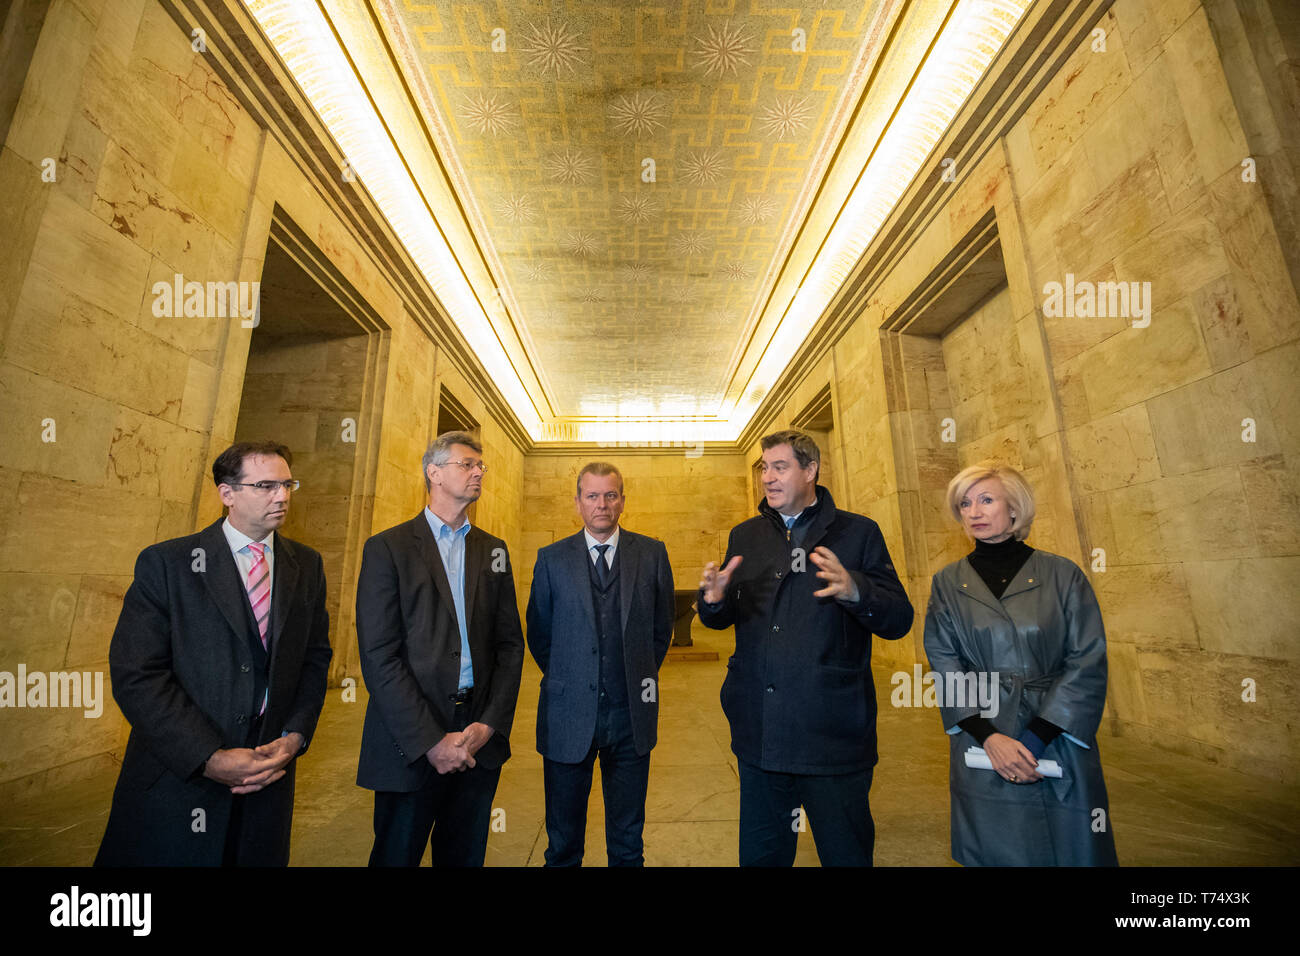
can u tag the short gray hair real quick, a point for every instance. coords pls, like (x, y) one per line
(439, 451)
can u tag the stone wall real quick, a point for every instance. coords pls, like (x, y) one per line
(1164, 454)
(689, 503)
(158, 170)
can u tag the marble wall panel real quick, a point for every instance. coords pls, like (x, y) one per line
(1246, 606)
(1205, 424)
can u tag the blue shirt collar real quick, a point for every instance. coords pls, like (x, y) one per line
(436, 524)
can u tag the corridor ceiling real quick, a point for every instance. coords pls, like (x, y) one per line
(636, 212)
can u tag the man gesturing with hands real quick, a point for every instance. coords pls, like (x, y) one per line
(798, 692)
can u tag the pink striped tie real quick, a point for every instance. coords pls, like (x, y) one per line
(259, 587)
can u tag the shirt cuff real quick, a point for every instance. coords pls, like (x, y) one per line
(981, 728)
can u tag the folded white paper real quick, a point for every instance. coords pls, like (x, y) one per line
(977, 758)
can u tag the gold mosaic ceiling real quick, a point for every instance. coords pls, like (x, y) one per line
(635, 174)
(636, 213)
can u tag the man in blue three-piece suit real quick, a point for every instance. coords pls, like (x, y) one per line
(600, 618)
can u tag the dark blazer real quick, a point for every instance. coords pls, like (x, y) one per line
(562, 639)
(410, 650)
(798, 691)
(181, 663)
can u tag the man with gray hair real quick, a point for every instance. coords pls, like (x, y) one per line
(441, 652)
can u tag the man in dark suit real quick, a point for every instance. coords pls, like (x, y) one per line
(600, 618)
(798, 692)
(219, 662)
(441, 652)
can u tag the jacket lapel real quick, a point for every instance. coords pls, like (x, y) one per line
(476, 559)
(221, 578)
(428, 549)
(972, 585)
(820, 523)
(627, 556)
(284, 581)
(578, 561)
(1026, 579)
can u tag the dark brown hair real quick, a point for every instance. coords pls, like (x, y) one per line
(801, 443)
(228, 469)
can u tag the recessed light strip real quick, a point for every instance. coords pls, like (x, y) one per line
(310, 51)
(969, 43)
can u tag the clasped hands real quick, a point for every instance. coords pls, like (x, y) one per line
(1011, 759)
(455, 751)
(839, 583)
(247, 770)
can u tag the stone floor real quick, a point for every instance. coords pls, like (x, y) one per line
(1168, 810)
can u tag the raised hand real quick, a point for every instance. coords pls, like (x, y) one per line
(714, 581)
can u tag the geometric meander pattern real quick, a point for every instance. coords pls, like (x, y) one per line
(637, 171)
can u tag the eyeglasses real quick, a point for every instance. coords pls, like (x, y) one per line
(267, 487)
(469, 465)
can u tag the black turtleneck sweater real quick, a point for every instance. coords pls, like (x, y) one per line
(997, 564)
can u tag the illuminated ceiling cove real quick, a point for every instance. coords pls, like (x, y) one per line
(635, 213)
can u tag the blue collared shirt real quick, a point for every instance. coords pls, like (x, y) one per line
(451, 545)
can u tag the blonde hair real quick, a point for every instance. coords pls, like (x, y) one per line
(1019, 496)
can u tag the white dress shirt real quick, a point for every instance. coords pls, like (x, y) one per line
(612, 541)
(244, 559)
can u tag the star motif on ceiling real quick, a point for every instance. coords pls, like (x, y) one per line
(570, 166)
(722, 49)
(682, 295)
(582, 244)
(518, 208)
(591, 295)
(692, 243)
(736, 270)
(786, 117)
(636, 271)
(552, 48)
(756, 210)
(702, 168)
(640, 113)
(488, 113)
(636, 208)
(537, 272)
